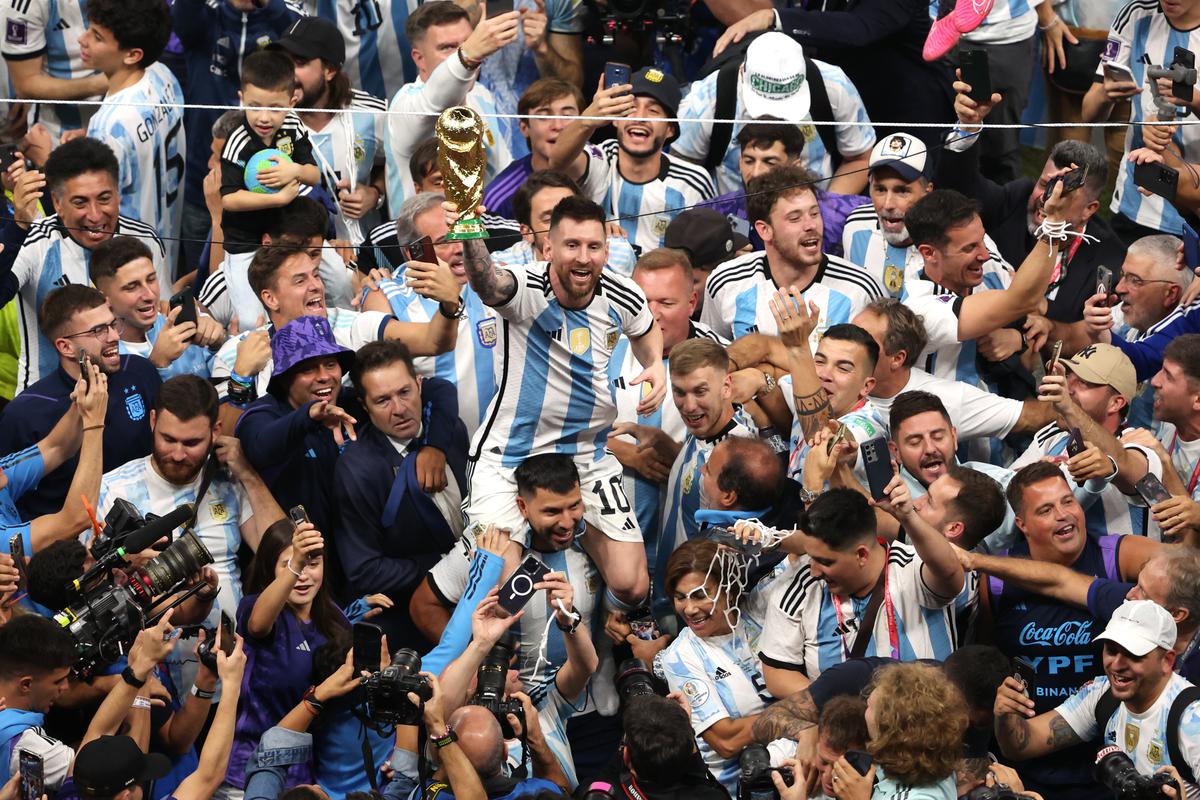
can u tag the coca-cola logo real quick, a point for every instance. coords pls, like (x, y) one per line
(1078, 632)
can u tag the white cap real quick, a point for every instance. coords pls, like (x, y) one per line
(1139, 626)
(904, 153)
(774, 83)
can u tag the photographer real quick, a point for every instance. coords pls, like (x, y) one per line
(1139, 706)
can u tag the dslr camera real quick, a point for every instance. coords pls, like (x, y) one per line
(998, 792)
(754, 775)
(489, 691)
(634, 679)
(1116, 771)
(387, 690)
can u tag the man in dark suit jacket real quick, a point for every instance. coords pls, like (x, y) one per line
(399, 498)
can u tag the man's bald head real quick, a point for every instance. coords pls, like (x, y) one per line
(480, 738)
(748, 471)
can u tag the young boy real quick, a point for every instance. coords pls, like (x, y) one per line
(140, 119)
(268, 81)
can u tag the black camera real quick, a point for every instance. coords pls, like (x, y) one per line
(669, 21)
(998, 792)
(754, 775)
(634, 679)
(1116, 771)
(489, 688)
(387, 690)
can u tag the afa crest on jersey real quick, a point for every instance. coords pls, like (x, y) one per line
(485, 330)
(285, 145)
(135, 407)
(611, 336)
(218, 511)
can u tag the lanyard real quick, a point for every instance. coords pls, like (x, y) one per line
(888, 609)
(1191, 486)
(1064, 260)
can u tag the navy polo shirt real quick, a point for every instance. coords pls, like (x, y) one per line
(132, 392)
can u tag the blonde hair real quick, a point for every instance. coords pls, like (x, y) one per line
(692, 354)
(920, 717)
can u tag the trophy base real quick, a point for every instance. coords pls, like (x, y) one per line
(468, 228)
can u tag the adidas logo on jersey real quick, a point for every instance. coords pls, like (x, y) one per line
(721, 673)
(629, 525)
(62, 25)
(303, 647)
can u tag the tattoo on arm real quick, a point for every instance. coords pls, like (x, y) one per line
(786, 719)
(494, 287)
(812, 411)
(1013, 734)
(1061, 733)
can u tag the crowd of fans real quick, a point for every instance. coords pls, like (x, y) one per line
(788, 433)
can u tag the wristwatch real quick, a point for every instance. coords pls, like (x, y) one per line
(808, 496)
(575, 620)
(769, 385)
(128, 676)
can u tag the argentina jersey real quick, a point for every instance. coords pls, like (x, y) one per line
(809, 629)
(50, 258)
(37, 28)
(471, 364)
(621, 257)
(863, 423)
(855, 135)
(1141, 35)
(721, 679)
(864, 245)
(378, 53)
(644, 209)
(349, 147)
(738, 291)
(1141, 409)
(144, 127)
(1009, 21)
(1185, 456)
(543, 344)
(195, 360)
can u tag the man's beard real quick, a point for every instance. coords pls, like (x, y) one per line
(898, 238)
(312, 98)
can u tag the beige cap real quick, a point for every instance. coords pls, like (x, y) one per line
(1105, 365)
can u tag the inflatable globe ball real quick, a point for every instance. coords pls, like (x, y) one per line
(261, 160)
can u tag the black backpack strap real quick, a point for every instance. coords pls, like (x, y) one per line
(1182, 700)
(1106, 706)
(722, 132)
(820, 110)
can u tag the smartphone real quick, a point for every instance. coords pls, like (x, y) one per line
(85, 367)
(1157, 179)
(187, 301)
(497, 7)
(1070, 180)
(1075, 443)
(877, 461)
(1054, 355)
(1191, 247)
(1104, 281)
(33, 777)
(16, 548)
(518, 589)
(860, 760)
(1115, 72)
(8, 154)
(973, 66)
(1186, 59)
(616, 74)
(838, 437)
(367, 640)
(1152, 490)
(228, 634)
(1025, 674)
(421, 249)
(641, 621)
(298, 515)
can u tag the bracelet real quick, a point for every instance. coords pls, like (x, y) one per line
(1115, 469)
(1053, 22)
(458, 312)
(468, 62)
(141, 702)
(289, 568)
(133, 680)
(201, 693)
(240, 394)
(311, 702)
(99, 427)
(242, 379)
(449, 738)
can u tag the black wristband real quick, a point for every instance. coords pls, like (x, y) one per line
(128, 676)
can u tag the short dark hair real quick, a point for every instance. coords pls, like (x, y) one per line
(136, 24)
(427, 15)
(377, 355)
(978, 670)
(909, 404)
(298, 221)
(1026, 476)
(188, 397)
(112, 254)
(554, 472)
(843, 723)
(51, 571)
(266, 262)
(658, 737)
(65, 302)
(753, 471)
(522, 201)
(546, 90)
(905, 330)
(1185, 351)
(930, 218)
(423, 162)
(79, 157)
(846, 332)
(1073, 151)
(33, 645)
(841, 518)
(763, 134)
(270, 70)
(579, 209)
(979, 504)
(785, 180)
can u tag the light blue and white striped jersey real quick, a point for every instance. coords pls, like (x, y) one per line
(1001, 539)
(50, 28)
(541, 345)
(1008, 22)
(151, 151)
(855, 135)
(349, 147)
(621, 258)
(195, 360)
(447, 86)
(378, 53)
(802, 627)
(864, 423)
(50, 258)
(1185, 456)
(1141, 410)
(471, 364)
(644, 209)
(1141, 30)
(721, 678)
(737, 293)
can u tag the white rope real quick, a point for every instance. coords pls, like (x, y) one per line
(573, 615)
(1058, 231)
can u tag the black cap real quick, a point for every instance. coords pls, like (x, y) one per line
(651, 82)
(313, 37)
(106, 766)
(707, 236)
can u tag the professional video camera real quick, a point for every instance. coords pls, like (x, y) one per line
(489, 689)
(754, 775)
(668, 20)
(387, 690)
(117, 599)
(1116, 771)
(634, 679)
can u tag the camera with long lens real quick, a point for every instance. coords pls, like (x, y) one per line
(1116, 771)
(754, 775)
(998, 792)
(120, 521)
(634, 679)
(489, 691)
(387, 690)
(117, 599)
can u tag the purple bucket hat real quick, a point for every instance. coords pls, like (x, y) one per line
(301, 339)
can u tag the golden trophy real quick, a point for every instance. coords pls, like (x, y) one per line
(462, 162)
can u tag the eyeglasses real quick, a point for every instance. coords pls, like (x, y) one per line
(117, 326)
(1136, 283)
